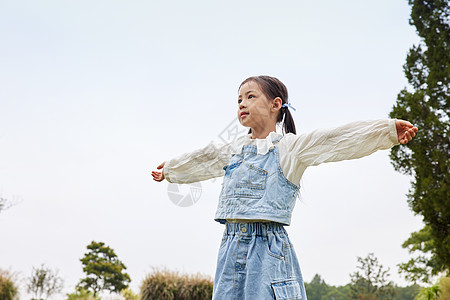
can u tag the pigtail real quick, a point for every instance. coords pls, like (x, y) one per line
(288, 122)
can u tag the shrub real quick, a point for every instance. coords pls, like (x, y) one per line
(196, 287)
(8, 288)
(429, 293)
(128, 294)
(167, 285)
(44, 282)
(445, 288)
(82, 294)
(160, 285)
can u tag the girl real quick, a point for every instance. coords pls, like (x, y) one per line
(261, 175)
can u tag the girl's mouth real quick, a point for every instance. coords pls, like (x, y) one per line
(243, 114)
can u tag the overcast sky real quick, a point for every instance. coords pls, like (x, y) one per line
(95, 94)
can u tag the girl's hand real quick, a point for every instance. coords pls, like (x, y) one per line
(405, 131)
(159, 176)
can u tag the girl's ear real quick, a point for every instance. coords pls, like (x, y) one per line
(276, 104)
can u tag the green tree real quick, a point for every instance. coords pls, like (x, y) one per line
(337, 293)
(406, 293)
(425, 104)
(317, 288)
(370, 281)
(104, 271)
(44, 283)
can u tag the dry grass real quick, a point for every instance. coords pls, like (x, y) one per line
(169, 285)
(445, 288)
(8, 288)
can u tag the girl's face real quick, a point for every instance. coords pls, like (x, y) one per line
(254, 109)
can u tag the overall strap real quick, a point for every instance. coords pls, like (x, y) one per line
(275, 141)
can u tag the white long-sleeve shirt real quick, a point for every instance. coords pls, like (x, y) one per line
(297, 152)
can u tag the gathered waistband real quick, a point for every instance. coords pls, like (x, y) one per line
(254, 228)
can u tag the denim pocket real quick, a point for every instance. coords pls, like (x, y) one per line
(275, 246)
(252, 181)
(286, 289)
(243, 180)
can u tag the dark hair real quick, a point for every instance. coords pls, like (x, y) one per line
(272, 88)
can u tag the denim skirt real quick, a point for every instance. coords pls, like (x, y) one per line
(257, 261)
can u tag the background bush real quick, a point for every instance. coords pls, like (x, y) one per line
(82, 294)
(167, 285)
(8, 288)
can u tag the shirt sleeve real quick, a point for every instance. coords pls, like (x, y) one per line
(351, 141)
(198, 165)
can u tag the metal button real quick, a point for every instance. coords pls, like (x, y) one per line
(244, 229)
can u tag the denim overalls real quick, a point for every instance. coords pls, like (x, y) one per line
(256, 259)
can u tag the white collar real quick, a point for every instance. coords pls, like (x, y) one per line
(263, 145)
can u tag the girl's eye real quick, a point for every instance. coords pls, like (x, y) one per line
(251, 96)
(239, 101)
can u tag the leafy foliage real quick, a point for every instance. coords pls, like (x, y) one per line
(425, 103)
(82, 294)
(420, 268)
(44, 283)
(128, 294)
(429, 293)
(104, 271)
(370, 281)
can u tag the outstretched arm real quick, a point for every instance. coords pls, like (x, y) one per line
(198, 165)
(405, 131)
(351, 141)
(159, 176)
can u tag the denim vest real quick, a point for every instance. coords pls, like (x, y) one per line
(254, 187)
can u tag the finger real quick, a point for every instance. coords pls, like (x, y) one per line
(408, 136)
(161, 165)
(403, 139)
